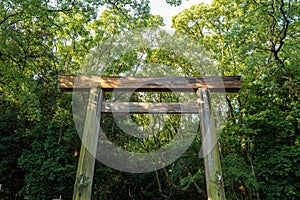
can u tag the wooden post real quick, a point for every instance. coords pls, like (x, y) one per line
(86, 163)
(212, 163)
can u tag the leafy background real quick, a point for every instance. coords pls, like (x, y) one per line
(260, 137)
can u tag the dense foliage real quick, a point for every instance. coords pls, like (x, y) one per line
(260, 137)
(260, 40)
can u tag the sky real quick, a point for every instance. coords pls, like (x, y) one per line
(160, 7)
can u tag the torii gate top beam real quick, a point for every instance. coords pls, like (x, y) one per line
(151, 84)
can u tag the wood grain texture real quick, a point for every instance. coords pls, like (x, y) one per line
(86, 163)
(176, 84)
(210, 149)
(158, 108)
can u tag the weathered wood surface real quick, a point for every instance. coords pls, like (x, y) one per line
(210, 150)
(86, 163)
(183, 84)
(190, 107)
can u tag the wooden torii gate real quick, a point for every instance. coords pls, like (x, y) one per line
(97, 85)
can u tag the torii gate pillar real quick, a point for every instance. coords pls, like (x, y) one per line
(210, 151)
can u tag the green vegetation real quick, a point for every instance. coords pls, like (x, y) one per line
(260, 134)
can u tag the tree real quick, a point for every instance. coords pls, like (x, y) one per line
(256, 39)
(260, 139)
(40, 40)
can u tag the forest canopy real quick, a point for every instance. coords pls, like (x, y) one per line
(259, 127)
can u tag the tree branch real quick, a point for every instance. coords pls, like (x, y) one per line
(8, 16)
(199, 190)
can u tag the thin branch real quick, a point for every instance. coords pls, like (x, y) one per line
(8, 16)
(230, 106)
(199, 190)
(11, 58)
